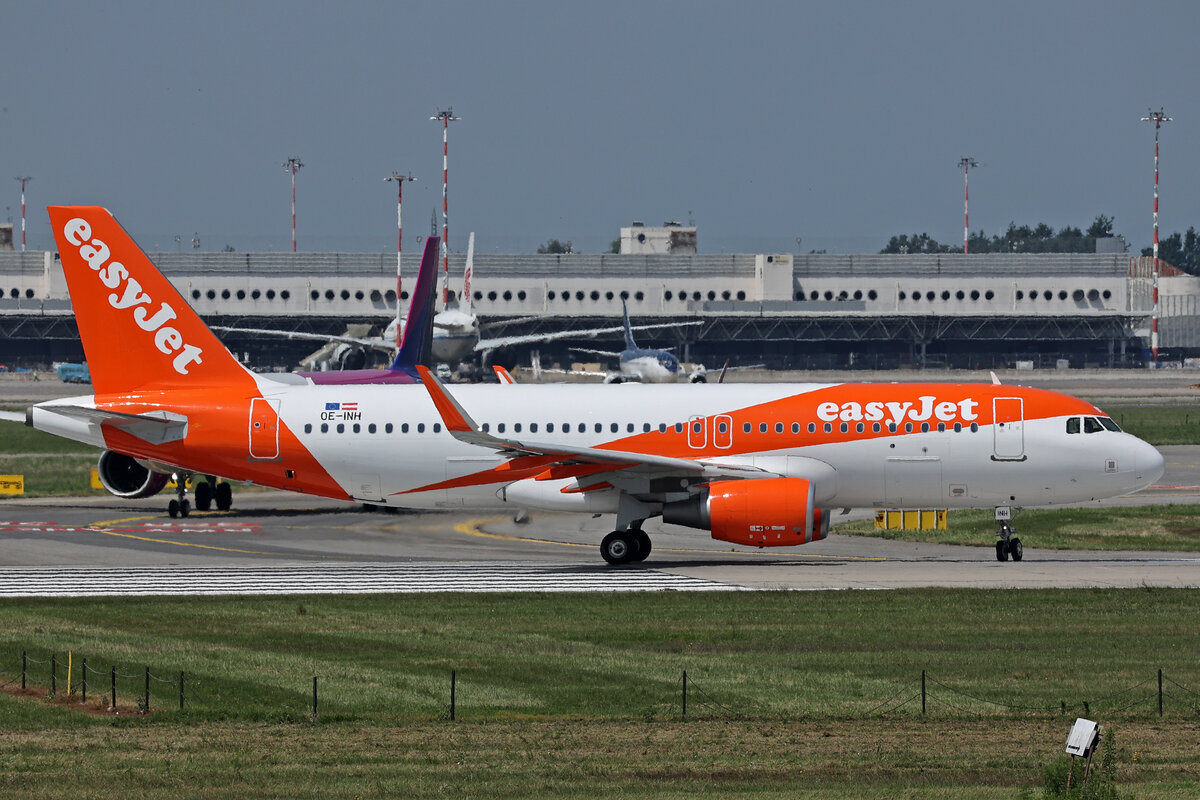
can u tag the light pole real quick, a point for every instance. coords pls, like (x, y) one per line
(400, 181)
(446, 117)
(965, 163)
(24, 180)
(1158, 118)
(291, 165)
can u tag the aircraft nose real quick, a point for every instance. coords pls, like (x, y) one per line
(1148, 463)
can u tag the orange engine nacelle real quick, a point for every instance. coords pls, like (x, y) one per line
(771, 512)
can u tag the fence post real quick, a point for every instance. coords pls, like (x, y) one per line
(685, 693)
(24, 664)
(181, 690)
(53, 675)
(114, 688)
(314, 698)
(453, 682)
(922, 692)
(83, 682)
(147, 711)
(1160, 691)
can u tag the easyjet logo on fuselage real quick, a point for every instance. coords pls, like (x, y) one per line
(927, 407)
(113, 274)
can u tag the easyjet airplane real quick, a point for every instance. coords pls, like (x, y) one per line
(758, 465)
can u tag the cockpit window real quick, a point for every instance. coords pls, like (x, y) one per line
(1073, 425)
(1092, 425)
(1108, 423)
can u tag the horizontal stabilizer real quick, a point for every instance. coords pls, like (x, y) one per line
(155, 427)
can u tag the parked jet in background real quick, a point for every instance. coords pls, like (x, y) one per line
(754, 464)
(642, 364)
(456, 332)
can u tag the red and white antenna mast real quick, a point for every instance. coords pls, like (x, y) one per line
(291, 165)
(446, 118)
(24, 180)
(400, 181)
(965, 163)
(1158, 118)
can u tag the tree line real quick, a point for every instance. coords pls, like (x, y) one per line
(1040, 238)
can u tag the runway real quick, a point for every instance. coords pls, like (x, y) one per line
(281, 543)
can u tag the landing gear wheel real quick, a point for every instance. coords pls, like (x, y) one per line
(224, 496)
(173, 509)
(643, 544)
(1001, 551)
(1015, 549)
(184, 508)
(204, 496)
(619, 547)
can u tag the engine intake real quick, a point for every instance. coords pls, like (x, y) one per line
(771, 512)
(124, 476)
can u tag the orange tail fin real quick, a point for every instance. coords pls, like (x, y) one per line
(138, 332)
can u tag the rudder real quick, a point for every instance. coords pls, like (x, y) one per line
(138, 332)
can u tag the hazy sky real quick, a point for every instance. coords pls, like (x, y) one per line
(837, 123)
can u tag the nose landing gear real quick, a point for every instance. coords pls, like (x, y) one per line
(1007, 544)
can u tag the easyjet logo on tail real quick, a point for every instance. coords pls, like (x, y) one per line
(897, 412)
(129, 296)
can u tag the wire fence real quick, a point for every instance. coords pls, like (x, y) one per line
(74, 679)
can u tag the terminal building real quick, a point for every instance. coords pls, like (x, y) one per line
(783, 310)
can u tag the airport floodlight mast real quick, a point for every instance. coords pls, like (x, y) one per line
(965, 163)
(400, 181)
(291, 165)
(24, 180)
(1158, 118)
(446, 117)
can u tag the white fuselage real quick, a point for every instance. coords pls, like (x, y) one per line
(393, 447)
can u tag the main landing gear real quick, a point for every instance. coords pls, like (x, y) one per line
(210, 492)
(207, 493)
(627, 546)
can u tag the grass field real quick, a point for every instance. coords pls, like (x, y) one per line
(1165, 528)
(1159, 425)
(802, 694)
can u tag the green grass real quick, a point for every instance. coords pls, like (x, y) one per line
(1159, 425)
(1166, 528)
(578, 695)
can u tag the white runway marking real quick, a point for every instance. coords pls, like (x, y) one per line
(365, 579)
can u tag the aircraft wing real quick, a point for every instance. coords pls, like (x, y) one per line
(12, 416)
(376, 343)
(460, 425)
(507, 341)
(155, 427)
